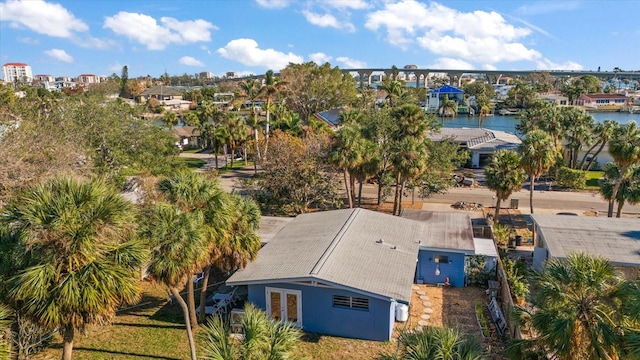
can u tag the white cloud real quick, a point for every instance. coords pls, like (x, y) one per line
(327, 20)
(115, 68)
(273, 4)
(247, 52)
(450, 63)
(190, 61)
(320, 58)
(351, 63)
(346, 4)
(29, 40)
(157, 36)
(59, 55)
(41, 17)
(480, 37)
(546, 64)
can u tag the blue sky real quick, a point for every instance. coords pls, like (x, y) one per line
(68, 38)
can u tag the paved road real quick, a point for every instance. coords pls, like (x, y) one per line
(545, 201)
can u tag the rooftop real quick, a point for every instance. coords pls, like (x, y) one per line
(444, 230)
(477, 138)
(617, 240)
(358, 249)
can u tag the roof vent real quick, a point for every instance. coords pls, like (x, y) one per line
(379, 241)
(394, 247)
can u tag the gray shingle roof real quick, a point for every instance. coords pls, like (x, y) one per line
(478, 138)
(444, 230)
(341, 248)
(615, 239)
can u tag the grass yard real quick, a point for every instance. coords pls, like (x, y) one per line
(191, 163)
(592, 178)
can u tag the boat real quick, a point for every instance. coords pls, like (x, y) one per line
(506, 112)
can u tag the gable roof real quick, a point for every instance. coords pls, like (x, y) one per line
(616, 239)
(363, 250)
(603, 96)
(448, 89)
(161, 90)
(186, 131)
(444, 230)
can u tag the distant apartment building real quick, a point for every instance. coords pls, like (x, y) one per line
(205, 75)
(87, 79)
(44, 78)
(232, 74)
(12, 72)
(64, 78)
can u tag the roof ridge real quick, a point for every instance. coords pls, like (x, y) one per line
(334, 243)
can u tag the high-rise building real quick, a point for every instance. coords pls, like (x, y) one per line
(16, 71)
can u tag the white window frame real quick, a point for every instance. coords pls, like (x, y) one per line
(283, 300)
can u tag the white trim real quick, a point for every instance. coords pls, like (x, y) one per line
(283, 303)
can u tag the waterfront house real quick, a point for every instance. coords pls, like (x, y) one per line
(187, 136)
(602, 101)
(436, 96)
(481, 143)
(553, 99)
(344, 272)
(616, 239)
(161, 93)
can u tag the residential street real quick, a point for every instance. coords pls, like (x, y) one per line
(545, 202)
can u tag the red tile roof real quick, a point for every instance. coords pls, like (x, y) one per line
(604, 96)
(15, 64)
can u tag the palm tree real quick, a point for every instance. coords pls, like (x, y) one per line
(236, 128)
(263, 338)
(585, 309)
(603, 132)
(271, 88)
(177, 240)
(198, 196)
(5, 345)
(170, 119)
(251, 90)
(345, 154)
(504, 176)
(629, 189)
(624, 147)
(448, 108)
(437, 343)
(537, 154)
(484, 107)
(83, 261)
(395, 90)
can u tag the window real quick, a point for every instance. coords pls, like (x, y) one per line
(351, 302)
(441, 259)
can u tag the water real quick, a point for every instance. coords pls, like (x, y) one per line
(508, 123)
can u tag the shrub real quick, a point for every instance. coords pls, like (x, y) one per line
(571, 178)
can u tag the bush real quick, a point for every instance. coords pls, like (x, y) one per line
(571, 178)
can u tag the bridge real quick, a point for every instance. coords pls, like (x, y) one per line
(493, 76)
(455, 75)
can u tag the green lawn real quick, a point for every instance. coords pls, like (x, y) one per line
(592, 178)
(191, 163)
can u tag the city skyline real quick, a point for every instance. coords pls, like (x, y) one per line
(67, 38)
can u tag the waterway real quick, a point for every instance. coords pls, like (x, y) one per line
(508, 123)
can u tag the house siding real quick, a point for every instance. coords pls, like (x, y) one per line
(320, 316)
(426, 269)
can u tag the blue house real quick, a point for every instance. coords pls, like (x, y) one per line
(436, 96)
(344, 272)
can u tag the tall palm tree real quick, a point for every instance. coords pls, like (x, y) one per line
(537, 154)
(629, 189)
(251, 90)
(263, 338)
(238, 244)
(602, 132)
(585, 309)
(345, 154)
(395, 90)
(236, 128)
(271, 88)
(437, 343)
(177, 240)
(504, 176)
(83, 261)
(624, 147)
(203, 198)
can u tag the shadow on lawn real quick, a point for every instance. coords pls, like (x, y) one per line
(123, 353)
(312, 338)
(155, 326)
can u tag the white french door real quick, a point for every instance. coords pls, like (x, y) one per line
(284, 305)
